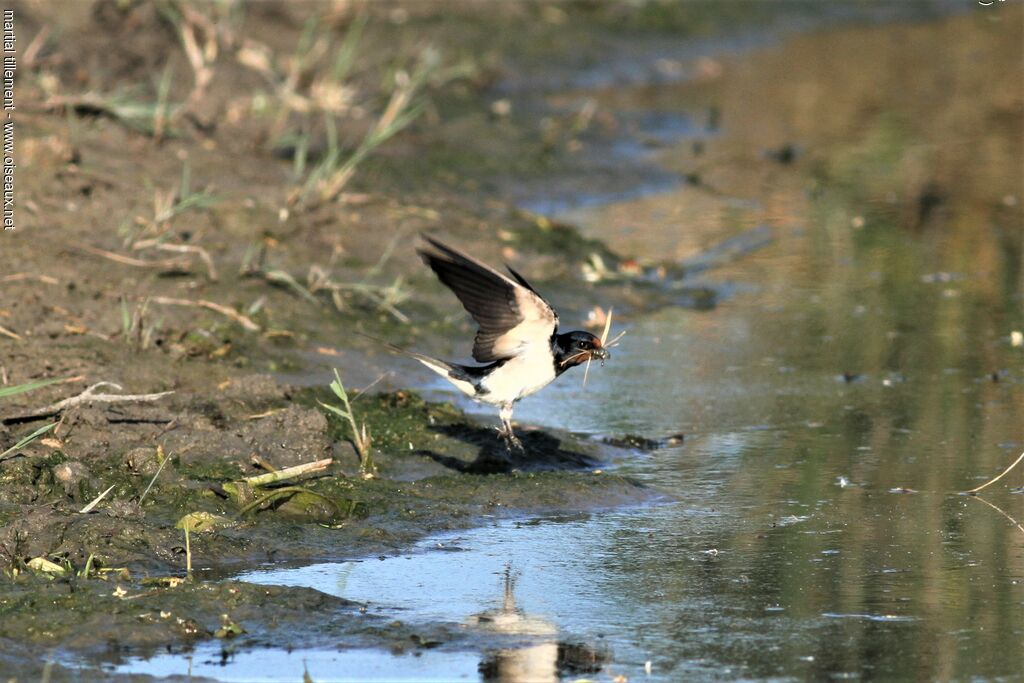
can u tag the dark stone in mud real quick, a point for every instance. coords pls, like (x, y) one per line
(124, 509)
(34, 534)
(85, 416)
(785, 154)
(95, 432)
(930, 199)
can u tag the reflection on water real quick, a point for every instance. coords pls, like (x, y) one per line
(535, 662)
(517, 645)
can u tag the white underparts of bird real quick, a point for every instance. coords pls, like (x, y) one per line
(518, 342)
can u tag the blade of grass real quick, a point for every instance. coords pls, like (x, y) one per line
(96, 501)
(29, 386)
(992, 481)
(360, 435)
(27, 440)
(160, 451)
(347, 50)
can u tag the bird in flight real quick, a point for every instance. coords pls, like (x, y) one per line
(518, 340)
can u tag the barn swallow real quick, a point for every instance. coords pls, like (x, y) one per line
(517, 340)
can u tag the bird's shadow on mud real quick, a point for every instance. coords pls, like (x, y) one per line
(541, 452)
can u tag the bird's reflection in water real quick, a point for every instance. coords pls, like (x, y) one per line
(544, 659)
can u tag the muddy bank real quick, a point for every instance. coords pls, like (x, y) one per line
(435, 470)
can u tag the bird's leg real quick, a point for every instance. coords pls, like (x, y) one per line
(511, 441)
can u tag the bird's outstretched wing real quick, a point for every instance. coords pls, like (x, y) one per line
(512, 316)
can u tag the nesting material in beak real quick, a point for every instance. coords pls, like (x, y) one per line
(601, 352)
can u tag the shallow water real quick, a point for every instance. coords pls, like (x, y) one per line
(860, 375)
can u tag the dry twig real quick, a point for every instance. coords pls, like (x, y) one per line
(200, 58)
(288, 473)
(159, 452)
(243, 320)
(90, 396)
(182, 249)
(129, 261)
(17, 277)
(28, 60)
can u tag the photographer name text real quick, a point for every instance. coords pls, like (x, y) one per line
(10, 65)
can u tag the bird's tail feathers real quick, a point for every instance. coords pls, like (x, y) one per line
(436, 364)
(439, 366)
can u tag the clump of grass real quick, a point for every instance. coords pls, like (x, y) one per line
(146, 232)
(361, 439)
(330, 176)
(314, 82)
(321, 282)
(134, 330)
(169, 204)
(200, 35)
(311, 80)
(385, 297)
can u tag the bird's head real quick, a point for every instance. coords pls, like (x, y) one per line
(579, 347)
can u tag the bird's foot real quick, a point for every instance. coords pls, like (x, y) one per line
(512, 442)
